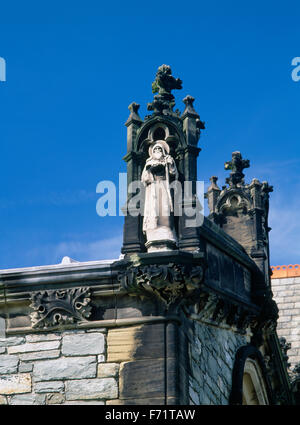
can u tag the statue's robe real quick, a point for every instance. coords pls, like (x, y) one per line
(158, 223)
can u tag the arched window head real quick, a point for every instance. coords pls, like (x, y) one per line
(254, 390)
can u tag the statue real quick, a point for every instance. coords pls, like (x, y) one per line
(158, 222)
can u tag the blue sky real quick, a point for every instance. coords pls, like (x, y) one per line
(73, 68)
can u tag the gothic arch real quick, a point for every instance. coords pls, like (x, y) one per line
(254, 389)
(250, 383)
(145, 136)
(226, 202)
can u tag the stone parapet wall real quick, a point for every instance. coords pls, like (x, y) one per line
(286, 293)
(68, 367)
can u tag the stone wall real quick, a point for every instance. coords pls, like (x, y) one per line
(66, 367)
(107, 366)
(210, 357)
(118, 365)
(287, 296)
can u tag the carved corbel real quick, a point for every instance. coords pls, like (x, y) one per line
(171, 283)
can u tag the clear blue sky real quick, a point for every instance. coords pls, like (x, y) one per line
(73, 68)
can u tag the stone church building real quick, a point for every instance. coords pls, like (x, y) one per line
(185, 316)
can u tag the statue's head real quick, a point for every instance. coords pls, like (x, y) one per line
(157, 152)
(159, 149)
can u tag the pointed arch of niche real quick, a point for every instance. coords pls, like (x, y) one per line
(250, 382)
(159, 129)
(232, 200)
(254, 389)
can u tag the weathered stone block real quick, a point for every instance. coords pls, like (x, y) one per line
(293, 299)
(12, 340)
(55, 398)
(286, 309)
(65, 368)
(25, 367)
(15, 384)
(280, 300)
(86, 389)
(135, 342)
(49, 387)
(209, 393)
(2, 350)
(285, 319)
(122, 343)
(3, 400)
(295, 344)
(8, 364)
(194, 396)
(40, 355)
(43, 337)
(34, 346)
(150, 372)
(73, 332)
(204, 400)
(295, 320)
(28, 399)
(106, 370)
(83, 344)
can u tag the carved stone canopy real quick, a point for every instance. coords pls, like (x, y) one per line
(181, 132)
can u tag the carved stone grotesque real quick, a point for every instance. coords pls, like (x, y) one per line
(172, 283)
(285, 347)
(59, 307)
(158, 222)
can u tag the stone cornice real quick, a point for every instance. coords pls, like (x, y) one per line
(113, 323)
(18, 284)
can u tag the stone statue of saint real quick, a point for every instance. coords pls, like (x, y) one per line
(158, 223)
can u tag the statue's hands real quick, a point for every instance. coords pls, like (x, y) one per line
(169, 159)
